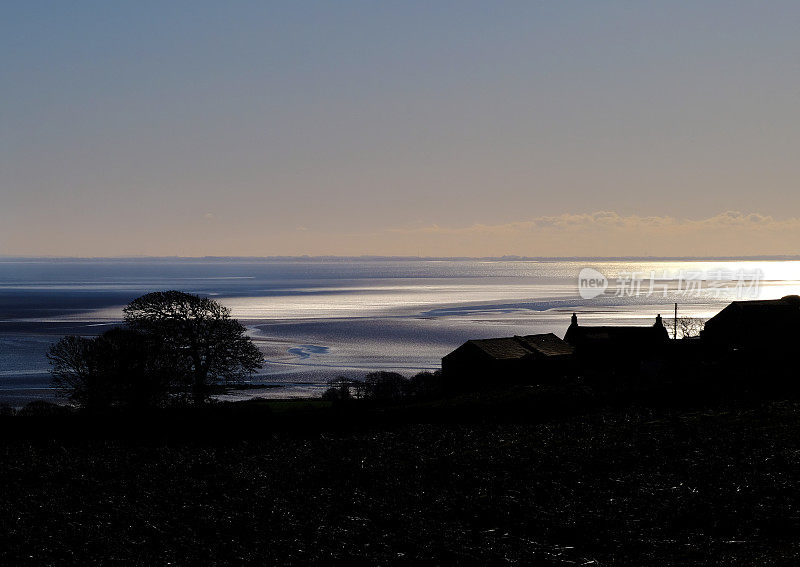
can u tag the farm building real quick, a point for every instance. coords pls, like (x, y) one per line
(771, 323)
(528, 359)
(616, 340)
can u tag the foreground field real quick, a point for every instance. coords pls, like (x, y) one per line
(633, 487)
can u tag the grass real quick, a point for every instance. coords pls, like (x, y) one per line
(714, 485)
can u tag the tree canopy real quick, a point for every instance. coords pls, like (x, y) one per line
(204, 344)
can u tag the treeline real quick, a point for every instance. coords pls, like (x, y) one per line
(386, 386)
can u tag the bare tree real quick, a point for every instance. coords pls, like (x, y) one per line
(121, 367)
(689, 327)
(73, 371)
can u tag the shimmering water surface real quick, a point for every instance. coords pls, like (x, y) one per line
(317, 319)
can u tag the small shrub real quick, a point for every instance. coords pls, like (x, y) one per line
(425, 385)
(339, 389)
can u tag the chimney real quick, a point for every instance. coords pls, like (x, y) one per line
(574, 320)
(659, 322)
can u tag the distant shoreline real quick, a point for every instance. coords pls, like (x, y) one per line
(368, 258)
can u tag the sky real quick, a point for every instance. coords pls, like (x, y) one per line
(563, 128)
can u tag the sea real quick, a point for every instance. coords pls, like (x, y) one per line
(316, 319)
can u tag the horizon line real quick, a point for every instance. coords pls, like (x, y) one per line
(373, 257)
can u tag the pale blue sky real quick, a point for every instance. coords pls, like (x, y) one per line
(433, 128)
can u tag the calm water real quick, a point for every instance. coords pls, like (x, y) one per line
(316, 319)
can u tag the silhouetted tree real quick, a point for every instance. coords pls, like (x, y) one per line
(121, 367)
(75, 372)
(425, 385)
(384, 386)
(199, 339)
(137, 365)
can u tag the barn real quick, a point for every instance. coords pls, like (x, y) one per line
(518, 359)
(771, 324)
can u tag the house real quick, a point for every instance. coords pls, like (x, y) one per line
(530, 358)
(615, 349)
(616, 339)
(755, 325)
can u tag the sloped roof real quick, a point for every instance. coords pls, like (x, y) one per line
(756, 317)
(519, 347)
(789, 304)
(501, 348)
(628, 335)
(547, 344)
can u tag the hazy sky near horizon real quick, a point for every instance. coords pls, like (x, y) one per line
(403, 128)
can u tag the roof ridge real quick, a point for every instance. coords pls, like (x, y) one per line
(618, 327)
(521, 341)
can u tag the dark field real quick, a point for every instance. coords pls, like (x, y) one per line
(632, 487)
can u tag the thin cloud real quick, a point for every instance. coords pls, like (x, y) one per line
(609, 220)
